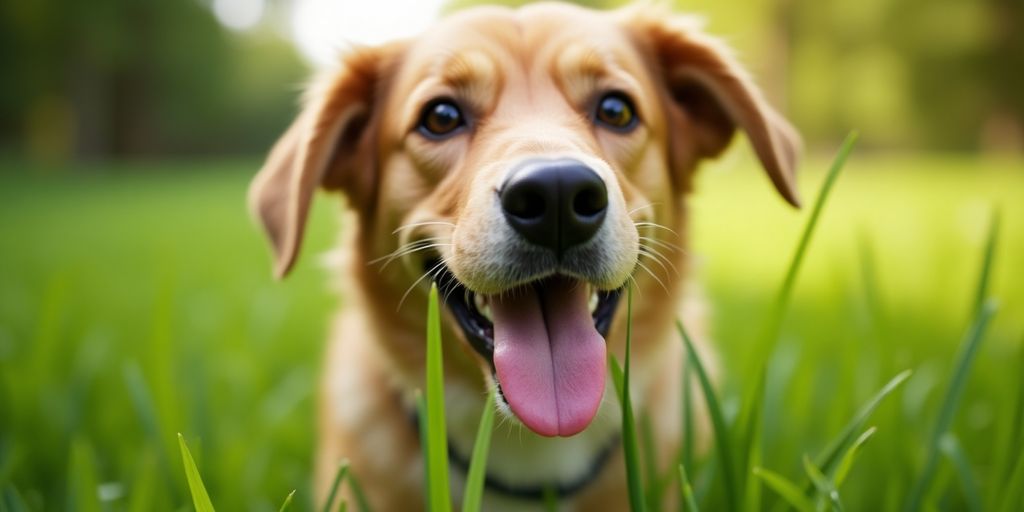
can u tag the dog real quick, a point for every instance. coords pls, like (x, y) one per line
(533, 163)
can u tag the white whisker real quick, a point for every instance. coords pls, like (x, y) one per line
(641, 265)
(435, 268)
(663, 244)
(638, 208)
(426, 223)
(657, 260)
(656, 225)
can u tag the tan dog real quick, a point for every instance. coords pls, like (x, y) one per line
(532, 162)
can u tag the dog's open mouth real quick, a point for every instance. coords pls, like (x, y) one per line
(545, 343)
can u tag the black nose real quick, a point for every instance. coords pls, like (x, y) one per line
(555, 204)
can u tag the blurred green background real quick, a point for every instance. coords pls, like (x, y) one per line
(135, 293)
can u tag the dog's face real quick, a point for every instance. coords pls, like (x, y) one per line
(528, 162)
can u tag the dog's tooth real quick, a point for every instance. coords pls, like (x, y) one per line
(479, 301)
(486, 312)
(594, 299)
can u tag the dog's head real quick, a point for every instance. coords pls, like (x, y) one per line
(527, 161)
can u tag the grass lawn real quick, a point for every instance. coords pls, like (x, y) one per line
(136, 302)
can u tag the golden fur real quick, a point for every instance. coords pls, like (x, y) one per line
(528, 76)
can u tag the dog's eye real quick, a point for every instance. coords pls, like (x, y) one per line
(441, 118)
(615, 111)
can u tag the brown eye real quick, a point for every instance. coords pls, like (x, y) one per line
(441, 118)
(615, 111)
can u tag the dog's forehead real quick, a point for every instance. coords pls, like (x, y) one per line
(478, 44)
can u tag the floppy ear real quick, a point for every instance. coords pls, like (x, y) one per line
(711, 96)
(329, 145)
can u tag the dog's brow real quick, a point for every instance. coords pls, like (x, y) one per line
(580, 68)
(473, 75)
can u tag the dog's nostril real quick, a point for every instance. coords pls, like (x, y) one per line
(524, 202)
(590, 201)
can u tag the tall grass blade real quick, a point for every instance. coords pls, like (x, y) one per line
(421, 417)
(11, 500)
(1014, 487)
(686, 490)
(357, 491)
(652, 480)
(200, 498)
(1009, 437)
(786, 291)
(145, 484)
(722, 437)
(629, 435)
(961, 369)
(786, 490)
(823, 484)
(339, 477)
(766, 344)
(550, 499)
(437, 432)
(145, 409)
(287, 505)
(985, 276)
(751, 450)
(688, 436)
(83, 481)
(950, 447)
(473, 496)
(846, 463)
(830, 456)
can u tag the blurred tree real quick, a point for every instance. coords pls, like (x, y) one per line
(129, 78)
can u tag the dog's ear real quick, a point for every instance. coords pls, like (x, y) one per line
(329, 145)
(709, 96)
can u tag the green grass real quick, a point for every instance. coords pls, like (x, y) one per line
(136, 302)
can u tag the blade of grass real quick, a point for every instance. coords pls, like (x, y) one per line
(11, 500)
(950, 447)
(689, 502)
(421, 417)
(1009, 436)
(473, 496)
(550, 499)
(786, 490)
(1013, 488)
(830, 456)
(961, 369)
(846, 463)
(688, 434)
(145, 483)
(629, 434)
(83, 481)
(200, 498)
(823, 484)
(722, 443)
(339, 477)
(751, 447)
(145, 409)
(766, 344)
(985, 276)
(650, 463)
(287, 505)
(437, 433)
(357, 491)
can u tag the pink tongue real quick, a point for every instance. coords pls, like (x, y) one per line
(549, 358)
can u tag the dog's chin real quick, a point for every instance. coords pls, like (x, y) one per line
(543, 342)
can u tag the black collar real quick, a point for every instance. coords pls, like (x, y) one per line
(534, 492)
